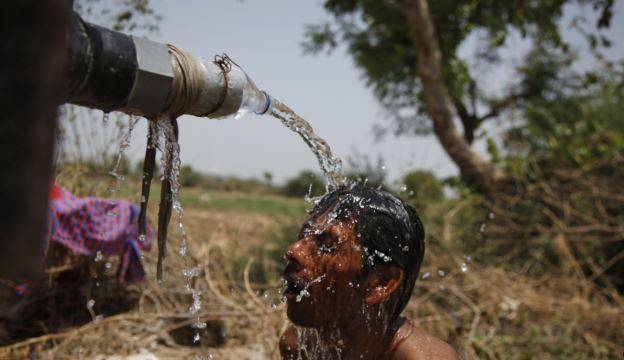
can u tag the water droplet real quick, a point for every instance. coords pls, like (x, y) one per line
(441, 273)
(142, 238)
(464, 267)
(303, 293)
(491, 215)
(192, 272)
(403, 188)
(199, 325)
(108, 265)
(196, 338)
(425, 275)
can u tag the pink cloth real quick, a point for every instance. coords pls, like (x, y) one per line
(88, 225)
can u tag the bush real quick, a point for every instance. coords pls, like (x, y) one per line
(362, 168)
(306, 182)
(562, 210)
(189, 177)
(422, 188)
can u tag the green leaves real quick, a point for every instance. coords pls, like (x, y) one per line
(377, 36)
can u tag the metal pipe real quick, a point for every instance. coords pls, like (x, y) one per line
(109, 70)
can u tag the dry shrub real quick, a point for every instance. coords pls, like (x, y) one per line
(565, 220)
(491, 313)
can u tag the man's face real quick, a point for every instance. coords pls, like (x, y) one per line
(323, 275)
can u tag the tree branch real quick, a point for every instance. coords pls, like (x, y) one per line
(473, 166)
(469, 121)
(502, 104)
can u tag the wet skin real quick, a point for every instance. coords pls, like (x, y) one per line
(325, 261)
(327, 289)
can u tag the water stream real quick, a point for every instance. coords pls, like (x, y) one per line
(330, 165)
(171, 163)
(123, 145)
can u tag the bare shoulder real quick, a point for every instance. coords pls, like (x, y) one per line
(420, 345)
(288, 343)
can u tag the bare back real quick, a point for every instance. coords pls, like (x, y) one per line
(411, 343)
(417, 344)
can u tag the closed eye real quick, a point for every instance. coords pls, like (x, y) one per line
(324, 243)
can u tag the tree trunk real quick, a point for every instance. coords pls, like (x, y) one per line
(473, 167)
(33, 33)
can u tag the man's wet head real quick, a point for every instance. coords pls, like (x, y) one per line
(358, 253)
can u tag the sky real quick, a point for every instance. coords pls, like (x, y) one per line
(264, 37)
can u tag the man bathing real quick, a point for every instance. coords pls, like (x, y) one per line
(349, 276)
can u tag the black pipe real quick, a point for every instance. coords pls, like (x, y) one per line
(109, 70)
(101, 66)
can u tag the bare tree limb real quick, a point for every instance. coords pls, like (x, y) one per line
(473, 166)
(469, 121)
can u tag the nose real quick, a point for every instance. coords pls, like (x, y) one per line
(299, 252)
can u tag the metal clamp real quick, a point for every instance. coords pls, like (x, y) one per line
(153, 80)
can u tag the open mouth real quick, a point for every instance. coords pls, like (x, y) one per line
(293, 286)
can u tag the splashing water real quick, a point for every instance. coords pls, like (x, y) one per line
(305, 292)
(331, 166)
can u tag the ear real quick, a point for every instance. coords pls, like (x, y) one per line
(381, 283)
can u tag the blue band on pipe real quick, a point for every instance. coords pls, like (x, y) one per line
(267, 104)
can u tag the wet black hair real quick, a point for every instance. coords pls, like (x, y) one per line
(390, 230)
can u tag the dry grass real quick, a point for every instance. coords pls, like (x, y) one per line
(488, 313)
(484, 312)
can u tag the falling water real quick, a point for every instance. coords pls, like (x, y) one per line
(114, 171)
(170, 163)
(331, 165)
(123, 145)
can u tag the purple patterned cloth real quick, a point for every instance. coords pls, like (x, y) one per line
(88, 225)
